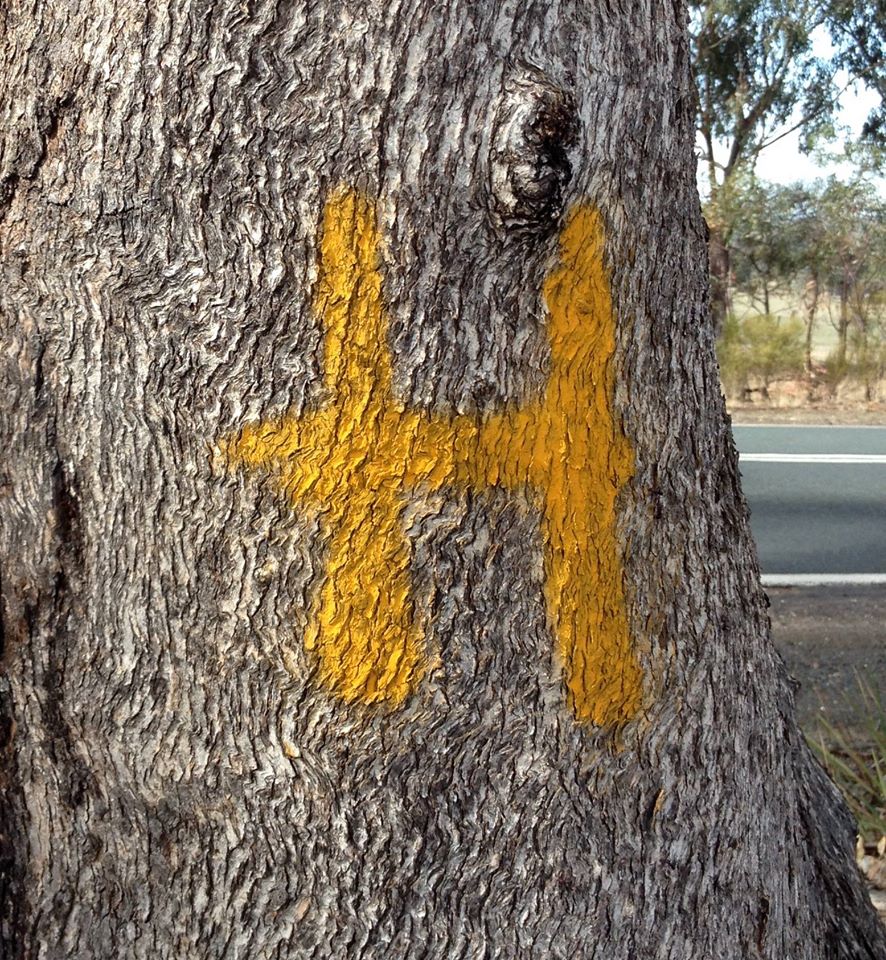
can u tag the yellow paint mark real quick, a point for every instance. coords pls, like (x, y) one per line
(357, 459)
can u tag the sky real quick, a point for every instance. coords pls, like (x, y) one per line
(783, 163)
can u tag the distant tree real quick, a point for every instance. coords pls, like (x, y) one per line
(804, 241)
(759, 78)
(760, 348)
(808, 236)
(852, 255)
(779, 244)
(764, 241)
(858, 29)
(863, 300)
(754, 65)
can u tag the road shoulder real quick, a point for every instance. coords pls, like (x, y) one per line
(830, 636)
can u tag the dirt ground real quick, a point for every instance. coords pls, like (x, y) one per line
(844, 415)
(830, 637)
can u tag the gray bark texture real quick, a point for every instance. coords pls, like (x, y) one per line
(175, 781)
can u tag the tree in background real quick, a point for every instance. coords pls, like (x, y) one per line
(779, 245)
(854, 216)
(809, 238)
(855, 248)
(858, 30)
(764, 237)
(754, 66)
(758, 350)
(813, 245)
(759, 78)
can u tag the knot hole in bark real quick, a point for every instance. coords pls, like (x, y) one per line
(535, 126)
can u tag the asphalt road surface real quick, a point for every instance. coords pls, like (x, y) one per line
(818, 501)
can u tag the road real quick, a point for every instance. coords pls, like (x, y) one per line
(817, 498)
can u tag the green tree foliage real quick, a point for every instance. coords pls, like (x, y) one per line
(780, 238)
(822, 248)
(754, 65)
(759, 77)
(766, 235)
(853, 257)
(758, 350)
(858, 29)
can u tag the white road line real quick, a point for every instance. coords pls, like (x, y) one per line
(813, 457)
(821, 579)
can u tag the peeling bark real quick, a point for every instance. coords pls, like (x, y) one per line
(180, 777)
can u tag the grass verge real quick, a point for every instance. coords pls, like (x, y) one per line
(858, 764)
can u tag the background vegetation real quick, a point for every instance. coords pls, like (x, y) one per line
(798, 273)
(806, 290)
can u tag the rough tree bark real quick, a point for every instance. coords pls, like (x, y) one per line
(409, 687)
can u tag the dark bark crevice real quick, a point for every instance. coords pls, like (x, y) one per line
(32, 147)
(13, 811)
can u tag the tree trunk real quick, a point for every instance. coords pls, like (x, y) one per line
(376, 581)
(719, 260)
(810, 297)
(843, 323)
